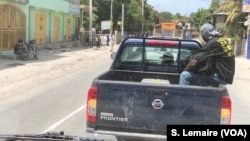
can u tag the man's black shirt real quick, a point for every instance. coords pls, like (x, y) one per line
(216, 56)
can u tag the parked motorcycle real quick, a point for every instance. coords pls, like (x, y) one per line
(32, 48)
(26, 51)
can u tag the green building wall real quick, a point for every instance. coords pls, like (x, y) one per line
(49, 24)
(55, 5)
(59, 8)
(50, 8)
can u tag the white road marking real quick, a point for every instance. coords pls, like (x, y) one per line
(64, 119)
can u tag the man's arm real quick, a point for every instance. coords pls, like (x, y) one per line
(191, 65)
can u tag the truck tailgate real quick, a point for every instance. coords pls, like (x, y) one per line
(148, 108)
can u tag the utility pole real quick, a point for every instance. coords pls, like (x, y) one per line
(142, 13)
(122, 21)
(81, 24)
(111, 25)
(111, 15)
(90, 24)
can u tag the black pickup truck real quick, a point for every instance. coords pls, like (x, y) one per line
(139, 95)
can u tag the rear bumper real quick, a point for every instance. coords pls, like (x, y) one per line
(122, 136)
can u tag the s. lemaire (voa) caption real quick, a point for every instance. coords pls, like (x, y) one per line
(217, 132)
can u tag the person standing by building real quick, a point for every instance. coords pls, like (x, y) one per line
(111, 42)
(107, 39)
(97, 41)
(87, 39)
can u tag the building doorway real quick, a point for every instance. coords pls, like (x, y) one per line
(12, 26)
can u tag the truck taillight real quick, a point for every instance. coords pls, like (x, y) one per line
(226, 110)
(91, 104)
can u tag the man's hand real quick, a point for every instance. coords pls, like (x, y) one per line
(191, 65)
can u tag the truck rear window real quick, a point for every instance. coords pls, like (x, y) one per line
(155, 53)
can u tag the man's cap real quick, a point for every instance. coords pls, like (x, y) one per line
(208, 31)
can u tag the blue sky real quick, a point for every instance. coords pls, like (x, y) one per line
(184, 7)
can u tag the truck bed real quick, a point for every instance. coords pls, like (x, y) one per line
(138, 76)
(125, 103)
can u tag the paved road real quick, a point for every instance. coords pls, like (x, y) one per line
(38, 95)
(50, 107)
(56, 106)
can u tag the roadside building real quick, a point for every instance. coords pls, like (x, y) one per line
(47, 21)
(246, 9)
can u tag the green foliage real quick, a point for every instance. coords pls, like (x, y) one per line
(177, 16)
(235, 19)
(214, 6)
(133, 18)
(167, 15)
(200, 17)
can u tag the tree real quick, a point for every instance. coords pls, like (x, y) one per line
(205, 15)
(232, 7)
(150, 16)
(200, 17)
(234, 26)
(177, 16)
(166, 15)
(132, 15)
(214, 6)
(86, 15)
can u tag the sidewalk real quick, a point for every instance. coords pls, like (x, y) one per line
(242, 68)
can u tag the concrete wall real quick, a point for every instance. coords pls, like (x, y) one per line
(220, 21)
